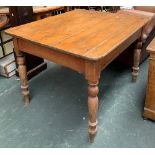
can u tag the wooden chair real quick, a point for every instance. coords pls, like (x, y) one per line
(4, 20)
(126, 57)
(39, 12)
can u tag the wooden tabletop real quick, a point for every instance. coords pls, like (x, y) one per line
(83, 33)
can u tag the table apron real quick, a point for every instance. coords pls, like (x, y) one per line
(119, 49)
(67, 60)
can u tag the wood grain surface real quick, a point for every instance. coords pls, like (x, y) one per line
(83, 33)
(149, 109)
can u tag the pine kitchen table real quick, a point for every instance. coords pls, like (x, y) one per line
(83, 40)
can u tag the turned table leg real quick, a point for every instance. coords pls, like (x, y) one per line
(92, 109)
(23, 76)
(137, 55)
(92, 75)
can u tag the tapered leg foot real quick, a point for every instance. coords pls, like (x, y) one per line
(26, 99)
(135, 73)
(93, 109)
(92, 131)
(25, 93)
